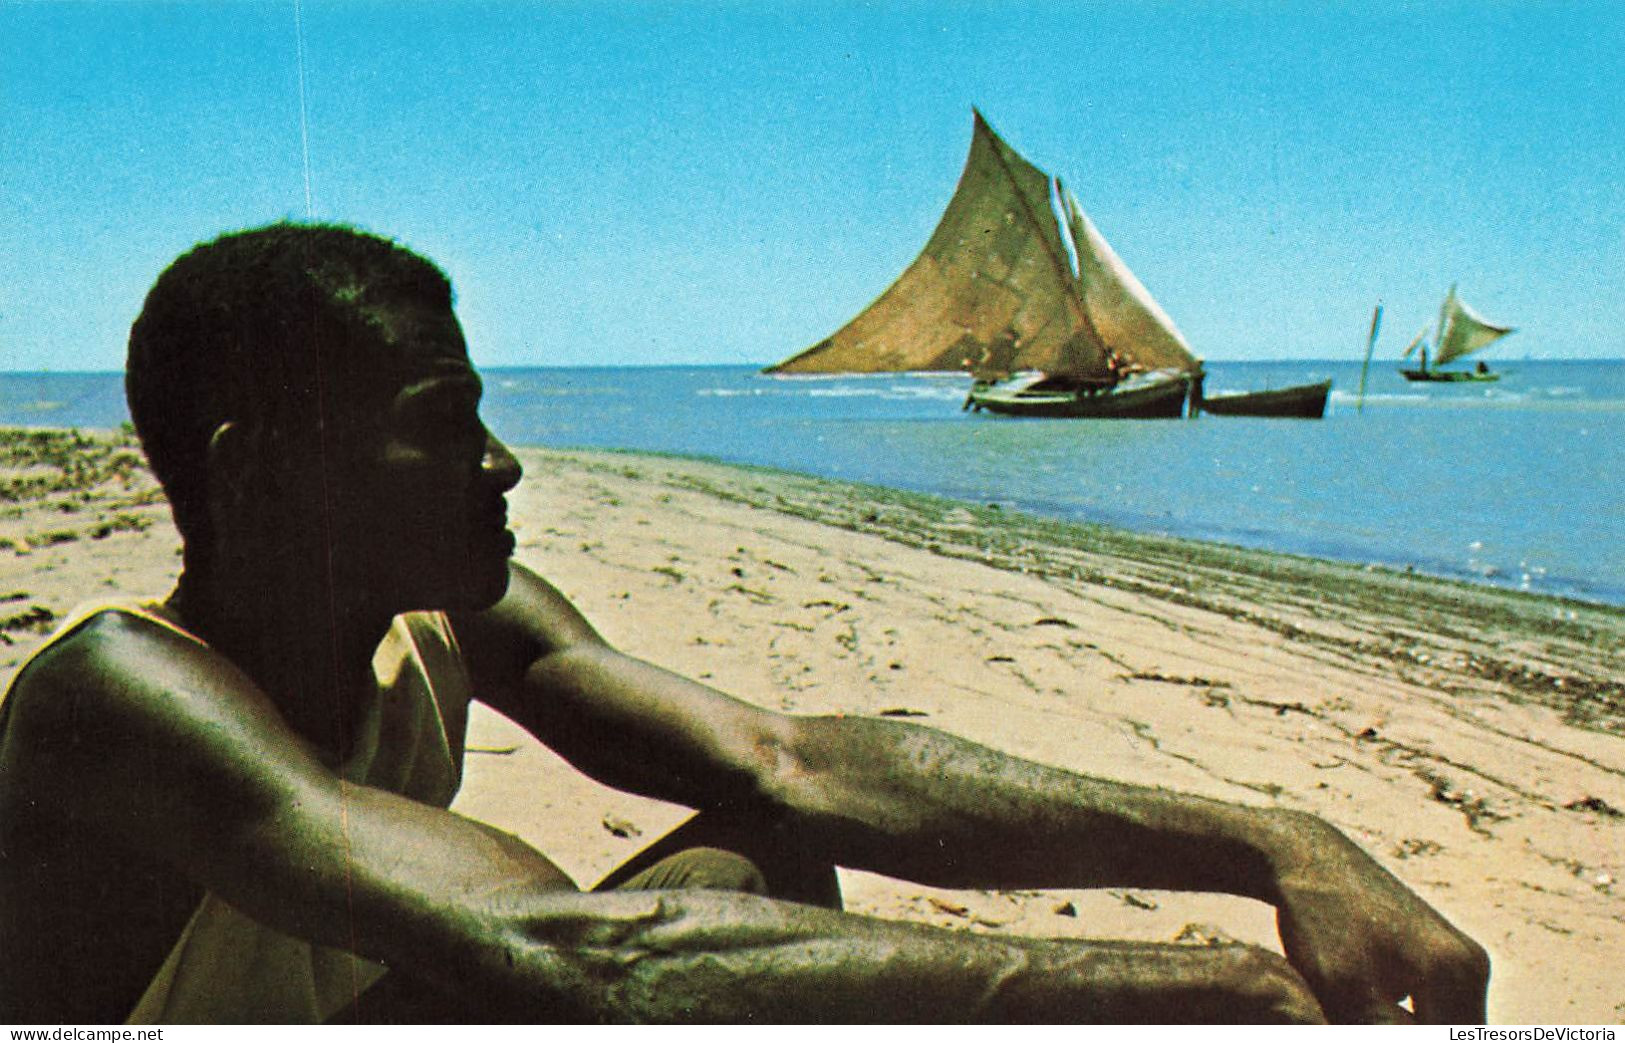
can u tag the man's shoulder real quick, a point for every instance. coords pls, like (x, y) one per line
(111, 640)
(112, 657)
(124, 722)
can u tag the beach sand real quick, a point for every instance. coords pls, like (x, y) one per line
(1469, 738)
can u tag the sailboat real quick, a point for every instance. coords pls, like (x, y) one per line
(1017, 287)
(1461, 332)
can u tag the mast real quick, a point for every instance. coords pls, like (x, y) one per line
(1444, 318)
(1370, 346)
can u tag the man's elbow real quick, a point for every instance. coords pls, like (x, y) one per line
(794, 766)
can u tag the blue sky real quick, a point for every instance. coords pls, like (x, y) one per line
(728, 182)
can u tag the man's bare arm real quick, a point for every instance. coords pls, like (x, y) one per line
(916, 803)
(715, 957)
(239, 804)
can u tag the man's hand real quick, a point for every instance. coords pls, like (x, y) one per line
(1364, 942)
(1260, 989)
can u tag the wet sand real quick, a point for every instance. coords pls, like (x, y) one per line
(1470, 738)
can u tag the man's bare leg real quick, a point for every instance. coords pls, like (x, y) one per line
(398, 999)
(791, 873)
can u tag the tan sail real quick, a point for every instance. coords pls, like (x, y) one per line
(1462, 331)
(1127, 319)
(993, 290)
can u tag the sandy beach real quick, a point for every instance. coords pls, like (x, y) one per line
(1472, 739)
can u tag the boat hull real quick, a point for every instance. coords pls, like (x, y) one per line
(1447, 376)
(1155, 400)
(1303, 401)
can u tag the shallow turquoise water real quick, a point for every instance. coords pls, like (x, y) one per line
(1518, 483)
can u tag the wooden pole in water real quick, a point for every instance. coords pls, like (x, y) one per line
(1370, 345)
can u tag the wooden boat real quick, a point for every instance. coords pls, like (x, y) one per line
(1461, 332)
(1304, 401)
(1016, 280)
(1157, 395)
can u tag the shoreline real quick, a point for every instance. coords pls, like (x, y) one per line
(1468, 737)
(1423, 573)
(1194, 573)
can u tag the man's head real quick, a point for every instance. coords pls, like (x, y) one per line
(272, 376)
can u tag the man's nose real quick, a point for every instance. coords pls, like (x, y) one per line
(499, 465)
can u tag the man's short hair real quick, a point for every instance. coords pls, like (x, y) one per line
(253, 327)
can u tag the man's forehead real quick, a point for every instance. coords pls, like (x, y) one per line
(420, 331)
(416, 344)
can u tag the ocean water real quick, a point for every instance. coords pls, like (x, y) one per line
(1518, 483)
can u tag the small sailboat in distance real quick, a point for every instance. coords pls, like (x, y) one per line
(1461, 332)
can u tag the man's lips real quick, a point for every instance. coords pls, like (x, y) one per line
(495, 534)
(497, 537)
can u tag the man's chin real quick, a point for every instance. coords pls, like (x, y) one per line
(469, 583)
(486, 586)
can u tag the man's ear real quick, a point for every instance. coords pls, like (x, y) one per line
(233, 464)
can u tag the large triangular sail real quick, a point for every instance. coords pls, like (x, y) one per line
(992, 291)
(1126, 318)
(1462, 331)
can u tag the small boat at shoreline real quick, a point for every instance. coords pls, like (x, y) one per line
(1303, 401)
(1461, 332)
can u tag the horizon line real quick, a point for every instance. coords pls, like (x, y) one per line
(877, 373)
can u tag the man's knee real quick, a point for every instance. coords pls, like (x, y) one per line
(701, 868)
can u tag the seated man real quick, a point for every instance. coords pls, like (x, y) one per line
(231, 805)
